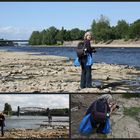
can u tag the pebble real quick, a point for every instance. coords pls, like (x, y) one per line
(35, 71)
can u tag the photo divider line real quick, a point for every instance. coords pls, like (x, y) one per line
(70, 116)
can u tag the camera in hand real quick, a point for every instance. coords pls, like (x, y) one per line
(117, 107)
(93, 50)
(85, 51)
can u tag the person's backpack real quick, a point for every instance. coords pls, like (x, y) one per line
(85, 125)
(81, 49)
(100, 110)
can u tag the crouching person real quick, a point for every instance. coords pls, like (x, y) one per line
(98, 115)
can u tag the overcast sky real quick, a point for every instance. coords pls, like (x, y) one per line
(35, 100)
(19, 19)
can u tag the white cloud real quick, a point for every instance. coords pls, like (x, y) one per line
(10, 32)
(26, 100)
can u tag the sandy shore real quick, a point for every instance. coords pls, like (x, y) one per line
(122, 125)
(120, 43)
(116, 45)
(104, 45)
(36, 133)
(25, 72)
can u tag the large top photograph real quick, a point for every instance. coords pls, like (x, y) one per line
(70, 47)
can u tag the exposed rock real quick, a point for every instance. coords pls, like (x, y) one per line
(126, 127)
(57, 74)
(36, 133)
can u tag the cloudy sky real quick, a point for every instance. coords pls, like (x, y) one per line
(35, 100)
(19, 19)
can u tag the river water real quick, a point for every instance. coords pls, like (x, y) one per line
(32, 122)
(126, 56)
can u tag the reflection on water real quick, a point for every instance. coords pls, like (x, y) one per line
(32, 122)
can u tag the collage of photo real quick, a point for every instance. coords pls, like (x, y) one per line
(69, 70)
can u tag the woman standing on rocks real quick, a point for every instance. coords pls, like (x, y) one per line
(86, 62)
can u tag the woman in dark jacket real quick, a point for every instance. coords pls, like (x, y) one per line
(2, 124)
(86, 77)
(101, 109)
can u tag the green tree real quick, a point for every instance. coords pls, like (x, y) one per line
(43, 37)
(82, 32)
(113, 33)
(122, 29)
(76, 34)
(51, 35)
(7, 109)
(67, 36)
(135, 30)
(101, 29)
(60, 35)
(35, 38)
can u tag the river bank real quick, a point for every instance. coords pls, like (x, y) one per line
(120, 43)
(131, 43)
(29, 72)
(36, 133)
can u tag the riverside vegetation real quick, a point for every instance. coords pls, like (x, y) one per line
(101, 29)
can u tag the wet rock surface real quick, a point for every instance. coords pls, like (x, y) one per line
(24, 72)
(122, 125)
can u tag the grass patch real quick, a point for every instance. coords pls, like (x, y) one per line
(103, 136)
(129, 95)
(132, 112)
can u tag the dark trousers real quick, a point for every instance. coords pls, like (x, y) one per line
(86, 77)
(98, 125)
(2, 131)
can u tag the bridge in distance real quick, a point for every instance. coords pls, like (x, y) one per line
(31, 109)
(13, 42)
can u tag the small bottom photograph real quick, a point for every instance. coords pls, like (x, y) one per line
(34, 116)
(105, 116)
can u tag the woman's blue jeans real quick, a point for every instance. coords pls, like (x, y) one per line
(86, 77)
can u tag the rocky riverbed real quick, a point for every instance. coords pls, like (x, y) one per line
(125, 122)
(36, 133)
(25, 72)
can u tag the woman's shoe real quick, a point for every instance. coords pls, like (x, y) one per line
(82, 87)
(90, 86)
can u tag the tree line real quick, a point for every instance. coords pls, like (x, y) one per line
(53, 36)
(101, 29)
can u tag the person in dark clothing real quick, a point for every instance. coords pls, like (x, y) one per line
(86, 77)
(101, 109)
(50, 118)
(2, 124)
